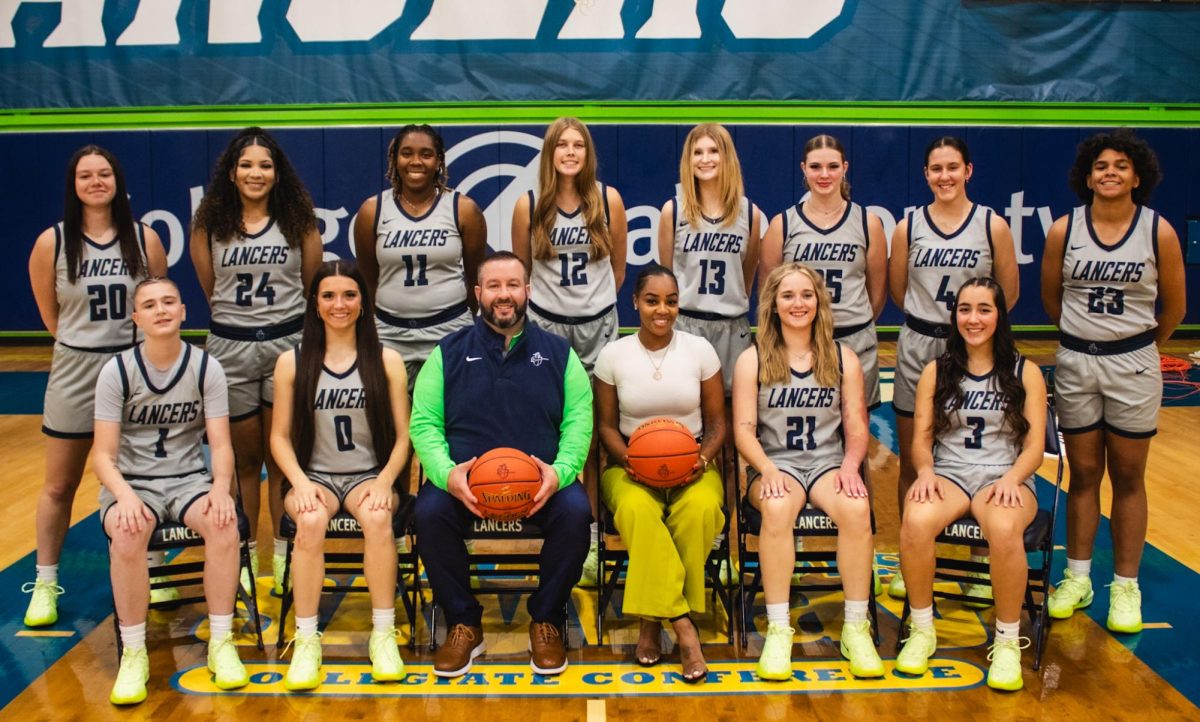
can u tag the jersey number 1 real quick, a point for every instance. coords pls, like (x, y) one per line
(573, 267)
(715, 285)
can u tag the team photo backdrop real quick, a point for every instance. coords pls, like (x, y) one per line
(1019, 172)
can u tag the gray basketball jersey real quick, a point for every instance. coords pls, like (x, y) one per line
(95, 311)
(420, 259)
(162, 428)
(1109, 291)
(839, 253)
(800, 422)
(341, 436)
(708, 262)
(258, 280)
(573, 282)
(939, 263)
(977, 434)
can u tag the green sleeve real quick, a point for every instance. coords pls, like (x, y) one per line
(427, 428)
(575, 433)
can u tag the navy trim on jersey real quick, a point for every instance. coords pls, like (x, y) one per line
(570, 214)
(826, 231)
(570, 320)
(1154, 237)
(99, 349)
(531, 209)
(927, 328)
(1107, 348)
(101, 246)
(124, 373)
(66, 434)
(383, 198)
(260, 234)
(707, 316)
(141, 362)
(1087, 216)
(845, 331)
(987, 226)
(342, 375)
(437, 198)
(264, 333)
(454, 212)
(934, 227)
(203, 372)
(866, 225)
(783, 217)
(1067, 235)
(58, 241)
(440, 317)
(140, 229)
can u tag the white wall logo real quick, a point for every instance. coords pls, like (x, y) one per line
(156, 22)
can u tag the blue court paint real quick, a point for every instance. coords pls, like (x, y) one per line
(22, 392)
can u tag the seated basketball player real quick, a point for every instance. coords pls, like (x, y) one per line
(340, 437)
(800, 418)
(661, 372)
(979, 432)
(502, 382)
(154, 405)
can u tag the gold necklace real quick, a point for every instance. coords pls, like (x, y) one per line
(415, 208)
(661, 361)
(827, 214)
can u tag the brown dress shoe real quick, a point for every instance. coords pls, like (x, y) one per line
(463, 644)
(547, 653)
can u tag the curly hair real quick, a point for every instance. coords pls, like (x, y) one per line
(290, 205)
(1122, 140)
(395, 177)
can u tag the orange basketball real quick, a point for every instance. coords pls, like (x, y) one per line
(504, 482)
(662, 453)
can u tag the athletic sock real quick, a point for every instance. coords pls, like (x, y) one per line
(280, 547)
(382, 620)
(306, 626)
(220, 626)
(855, 611)
(595, 529)
(922, 618)
(1007, 630)
(133, 637)
(779, 614)
(1079, 567)
(47, 572)
(1118, 579)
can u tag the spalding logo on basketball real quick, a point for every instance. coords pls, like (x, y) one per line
(662, 453)
(504, 482)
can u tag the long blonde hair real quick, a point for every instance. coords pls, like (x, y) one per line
(545, 212)
(773, 365)
(729, 178)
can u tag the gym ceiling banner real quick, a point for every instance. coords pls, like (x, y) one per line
(123, 53)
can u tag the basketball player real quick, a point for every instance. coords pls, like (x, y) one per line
(254, 245)
(502, 382)
(935, 249)
(571, 234)
(155, 403)
(83, 271)
(341, 439)
(978, 439)
(801, 424)
(1106, 266)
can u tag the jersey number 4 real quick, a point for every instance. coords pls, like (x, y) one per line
(246, 292)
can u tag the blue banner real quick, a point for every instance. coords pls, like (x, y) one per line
(122, 53)
(1019, 172)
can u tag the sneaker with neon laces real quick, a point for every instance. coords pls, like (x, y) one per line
(876, 582)
(278, 563)
(1070, 594)
(1005, 670)
(591, 567)
(304, 672)
(225, 664)
(896, 588)
(858, 647)
(248, 577)
(130, 687)
(1125, 607)
(386, 663)
(162, 595)
(918, 648)
(43, 605)
(775, 662)
(981, 591)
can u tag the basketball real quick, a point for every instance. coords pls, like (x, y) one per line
(504, 482)
(662, 453)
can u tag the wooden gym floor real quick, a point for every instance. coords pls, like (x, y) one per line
(65, 672)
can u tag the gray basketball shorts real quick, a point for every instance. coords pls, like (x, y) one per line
(250, 370)
(973, 478)
(168, 497)
(70, 402)
(1119, 392)
(586, 338)
(415, 344)
(729, 336)
(805, 477)
(341, 484)
(913, 352)
(865, 343)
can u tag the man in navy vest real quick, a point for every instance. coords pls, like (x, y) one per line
(502, 382)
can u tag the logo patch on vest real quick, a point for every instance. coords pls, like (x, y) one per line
(537, 358)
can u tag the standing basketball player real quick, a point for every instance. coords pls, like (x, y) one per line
(254, 243)
(155, 403)
(935, 249)
(83, 271)
(341, 438)
(1106, 266)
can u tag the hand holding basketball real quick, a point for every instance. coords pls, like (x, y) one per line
(456, 485)
(549, 485)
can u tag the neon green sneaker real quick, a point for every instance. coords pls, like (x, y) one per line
(1005, 671)
(775, 662)
(896, 588)
(876, 582)
(591, 567)
(278, 562)
(728, 572)
(130, 687)
(305, 670)
(225, 664)
(1125, 608)
(983, 591)
(43, 605)
(163, 595)
(248, 577)
(386, 664)
(918, 648)
(1070, 594)
(858, 647)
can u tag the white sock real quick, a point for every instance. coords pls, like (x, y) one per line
(220, 626)
(595, 529)
(306, 626)
(1079, 567)
(383, 620)
(47, 572)
(134, 637)
(855, 611)
(779, 614)
(1118, 579)
(1007, 630)
(922, 618)
(280, 547)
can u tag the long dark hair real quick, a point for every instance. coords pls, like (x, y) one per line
(122, 217)
(1122, 140)
(370, 369)
(290, 205)
(952, 367)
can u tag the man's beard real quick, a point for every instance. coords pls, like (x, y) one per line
(517, 317)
